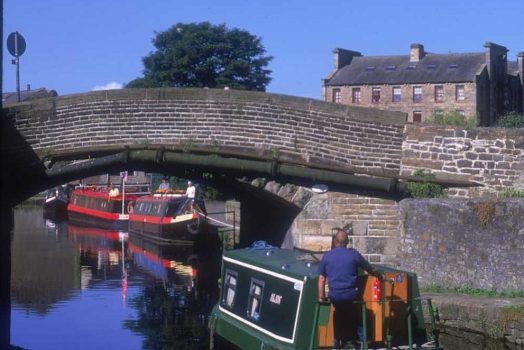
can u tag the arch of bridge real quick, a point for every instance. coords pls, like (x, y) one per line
(311, 132)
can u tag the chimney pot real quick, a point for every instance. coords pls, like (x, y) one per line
(343, 57)
(416, 52)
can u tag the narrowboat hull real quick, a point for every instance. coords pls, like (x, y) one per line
(166, 219)
(55, 204)
(97, 209)
(269, 300)
(99, 220)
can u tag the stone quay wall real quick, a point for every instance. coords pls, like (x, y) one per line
(475, 243)
(492, 157)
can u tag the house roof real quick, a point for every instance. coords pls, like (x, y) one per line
(432, 68)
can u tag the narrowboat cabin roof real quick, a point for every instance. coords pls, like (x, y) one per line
(161, 197)
(102, 194)
(286, 262)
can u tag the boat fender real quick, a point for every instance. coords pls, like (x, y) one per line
(194, 226)
(130, 207)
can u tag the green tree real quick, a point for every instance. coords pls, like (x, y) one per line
(511, 120)
(205, 55)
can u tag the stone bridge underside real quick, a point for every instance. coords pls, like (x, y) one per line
(224, 132)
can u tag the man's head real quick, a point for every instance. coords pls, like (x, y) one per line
(341, 239)
(189, 183)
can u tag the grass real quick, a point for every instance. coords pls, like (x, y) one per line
(467, 290)
(425, 189)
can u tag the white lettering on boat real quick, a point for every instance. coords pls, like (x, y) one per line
(275, 298)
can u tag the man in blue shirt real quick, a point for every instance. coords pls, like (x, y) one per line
(340, 267)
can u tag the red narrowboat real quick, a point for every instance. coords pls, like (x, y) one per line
(95, 207)
(173, 218)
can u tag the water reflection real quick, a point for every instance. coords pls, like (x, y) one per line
(80, 288)
(77, 287)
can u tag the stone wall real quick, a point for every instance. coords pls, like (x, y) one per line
(492, 157)
(477, 320)
(372, 223)
(464, 243)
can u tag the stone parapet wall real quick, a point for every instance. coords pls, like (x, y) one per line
(475, 243)
(491, 157)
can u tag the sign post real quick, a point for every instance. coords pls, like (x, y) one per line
(123, 175)
(16, 47)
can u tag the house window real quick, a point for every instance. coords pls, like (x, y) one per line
(417, 93)
(336, 95)
(255, 299)
(461, 112)
(375, 95)
(439, 112)
(397, 93)
(439, 93)
(417, 116)
(230, 289)
(459, 93)
(355, 95)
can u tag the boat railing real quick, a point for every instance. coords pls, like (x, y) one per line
(227, 231)
(433, 338)
(131, 188)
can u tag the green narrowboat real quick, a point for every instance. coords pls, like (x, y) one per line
(269, 300)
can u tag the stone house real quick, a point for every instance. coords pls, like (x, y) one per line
(482, 85)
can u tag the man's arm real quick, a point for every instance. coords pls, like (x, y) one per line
(364, 264)
(321, 287)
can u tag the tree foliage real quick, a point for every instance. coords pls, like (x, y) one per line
(511, 120)
(205, 55)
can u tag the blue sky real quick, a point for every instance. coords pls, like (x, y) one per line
(75, 46)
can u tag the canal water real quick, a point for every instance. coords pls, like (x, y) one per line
(78, 288)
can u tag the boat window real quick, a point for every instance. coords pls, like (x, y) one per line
(147, 208)
(230, 288)
(156, 209)
(140, 207)
(173, 208)
(255, 299)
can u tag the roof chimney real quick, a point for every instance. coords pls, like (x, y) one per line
(28, 87)
(520, 65)
(343, 57)
(416, 52)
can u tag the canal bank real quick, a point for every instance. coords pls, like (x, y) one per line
(476, 322)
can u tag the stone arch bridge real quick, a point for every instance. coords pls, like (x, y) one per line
(232, 133)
